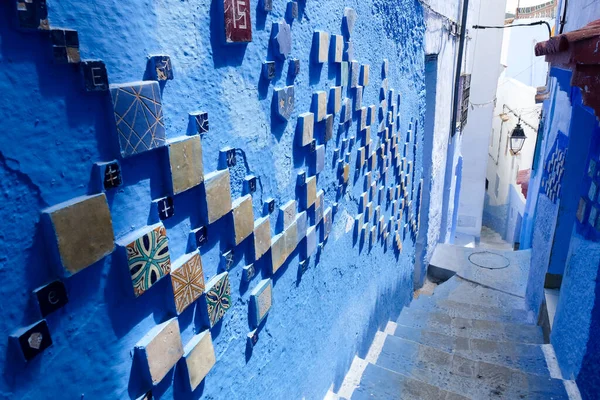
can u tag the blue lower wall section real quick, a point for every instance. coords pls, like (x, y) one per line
(54, 132)
(495, 217)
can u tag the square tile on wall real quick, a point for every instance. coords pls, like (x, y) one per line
(159, 350)
(33, 339)
(243, 218)
(187, 278)
(262, 237)
(148, 259)
(238, 24)
(261, 301)
(82, 232)
(218, 194)
(218, 297)
(185, 160)
(199, 356)
(138, 116)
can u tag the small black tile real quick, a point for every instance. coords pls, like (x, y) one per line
(161, 68)
(267, 5)
(253, 338)
(60, 55)
(201, 235)
(112, 175)
(249, 272)
(35, 340)
(32, 14)
(51, 297)
(294, 68)
(227, 259)
(313, 146)
(269, 206)
(165, 208)
(201, 122)
(250, 182)
(57, 36)
(268, 70)
(71, 38)
(95, 77)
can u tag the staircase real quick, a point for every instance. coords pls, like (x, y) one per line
(466, 341)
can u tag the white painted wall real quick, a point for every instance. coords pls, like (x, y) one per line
(579, 14)
(484, 80)
(502, 164)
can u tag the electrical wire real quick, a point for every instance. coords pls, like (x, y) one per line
(514, 26)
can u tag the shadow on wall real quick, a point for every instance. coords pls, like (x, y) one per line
(495, 217)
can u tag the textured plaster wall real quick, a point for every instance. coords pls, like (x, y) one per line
(54, 132)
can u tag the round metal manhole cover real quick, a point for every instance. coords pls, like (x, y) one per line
(489, 260)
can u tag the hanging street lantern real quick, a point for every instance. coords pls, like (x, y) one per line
(517, 139)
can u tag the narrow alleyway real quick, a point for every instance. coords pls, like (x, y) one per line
(473, 338)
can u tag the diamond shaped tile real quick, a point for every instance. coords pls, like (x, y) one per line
(262, 237)
(261, 301)
(218, 194)
(187, 278)
(160, 349)
(218, 297)
(199, 356)
(243, 218)
(185, 160)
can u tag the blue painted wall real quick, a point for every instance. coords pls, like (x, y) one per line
(54, 131)
(577, 316)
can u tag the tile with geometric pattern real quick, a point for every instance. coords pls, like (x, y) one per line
(218, 297)
(260, 301)
(187, 278)
(138, 116)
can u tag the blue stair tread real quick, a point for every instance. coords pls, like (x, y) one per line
(527, 358)
(381, 383)
(473, 311)
(478, 380)
(473, 328)
(458, 289)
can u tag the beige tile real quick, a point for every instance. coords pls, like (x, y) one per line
(218, 194)
(337, 42)
(311, 191)
(82, 231)
(320, 102)
(185, 159)
(287, 213)
(278, 252)
(306, 123)
(160, 349)
(262, 237)
(199, 355)
(291, 239)
(322, 42)
(243, 218)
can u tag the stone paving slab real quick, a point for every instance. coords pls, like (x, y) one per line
(473, 311)
(473, 328)
(461, 290)
(383, 384)
(477, 380)
(502, 270)
(528, 358)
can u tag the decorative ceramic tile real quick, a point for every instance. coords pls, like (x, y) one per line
(292, 10)
(261, 301)
(33, 339)
(278, 252)
(268, 70)
(319, 158)
(336, 50)
(346, 111)
(581, 210)
(227, 260)
(218, 297)
(291, 238)
(592, 168)
(161, 68)
(138, 115)
(372, 113)
(51, 297)
(593, 217)
(311, 240)
(110, 174)
(343, 76)
(364, 75)
(593, 192)
(32, 14)
(160, 349)
(267, 5)
(199, 356)
(200, 236)
(306, 127)
(287, 214)
(327, 222)
(218, 194)
(282, 39)
(354, 73)
(360, 157)
(284, 101)
(349, 20)
(328, 127)
(335, 99)
(250, 184)
(346, 173)
(363, 118)
(165, 208)
(95, 77)
(319, 206)
(269, 206)
(294, 68)
(199, 120)
(187, 278)
(227, 157)
(319, 101)
(82, 231)
(313, 146)
(238, 26)
(358, 94)
(252, 338)
(148, 259)
(65, 46)
(262, 237)
(243, 218)
(321, 46)
(185, 161)
(310, 192)
(301, 225)
(348, 51)
(248, 272)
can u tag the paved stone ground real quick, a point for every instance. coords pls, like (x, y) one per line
(472, 338)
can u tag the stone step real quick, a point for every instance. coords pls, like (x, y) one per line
(477, 380)
(527, 358)
(460, 290)
(383, 384)
(473, 311)
(471, 328)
